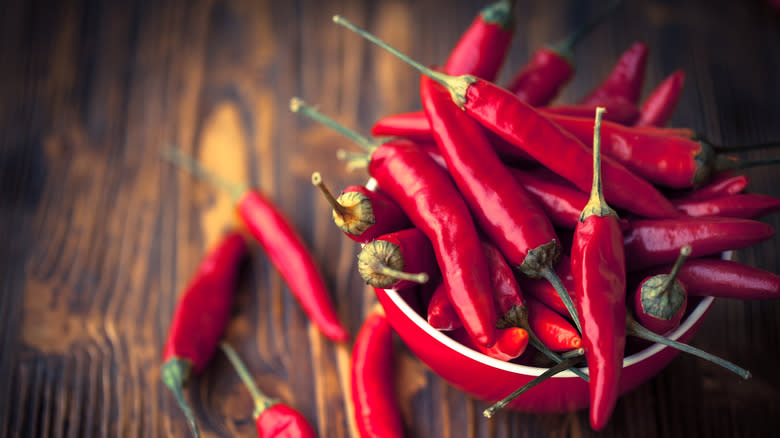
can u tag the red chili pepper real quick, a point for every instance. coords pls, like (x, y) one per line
(510, 343)
(723, 184)
(544, 292)
(397, 260)
(660, 300)
(552, 329)
(377, 413)
(598, 264)
(482, 49)
(625, 79)
(619, 110)
(432, 202)
(657, 242)
(725, 279)
(200, 318)
(519, 124)
(272, 418)
(747, 206)
(363, 214)
(284, 248)
(561, 203)
(669, 161)
(505, 212)
(658, 107)
(441, 313)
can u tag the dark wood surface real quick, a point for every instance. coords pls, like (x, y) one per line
(98, 236)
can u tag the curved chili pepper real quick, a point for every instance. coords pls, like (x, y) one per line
(625, 79)
(660, 300)
(619, 110)
(426, 193)
(363, 214)
(561, 203)
(725, 279)
(377, 413)
(397, 260)
(658, 107)
(657, 242)
(441, 314)
(544, 292)
(598, 265)
(272, 418)
(482, 49)
(722, 185)
(284, 248)
(510, 343)
(200, 318)
(747, 206)
(519, 124)
(669, 161)
(553, 330)
(505, 212)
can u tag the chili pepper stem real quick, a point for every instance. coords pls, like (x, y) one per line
(383, 269)
(597, 204)
(565, 47)
(566, 364)
(262, 401)
(456, 85)
(636, 329)
(316, 180)
(174, 373)
(185, 161)
(573, 353)
(685, 251)
(549, 274)
(297, 105)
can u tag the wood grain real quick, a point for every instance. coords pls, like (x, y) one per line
(98, 236)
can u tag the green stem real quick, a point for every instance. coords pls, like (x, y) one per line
(340, 210)
(573, 353)
(635, 329)
(521, 319)
(565, 47)
(297, 105)
(566, 364)
(457, 85)
(685, 251)
(174, 373)
(597, 205)
(381, 268)
(549, 274)
(262, 401)
(187, 162)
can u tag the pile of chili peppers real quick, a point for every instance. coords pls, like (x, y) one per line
(486, 198)
(485, 219)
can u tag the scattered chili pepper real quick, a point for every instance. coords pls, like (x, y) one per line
(521, 125)
(397, 260)
(747, 206)
(725, 279)
(721, 185)
(506, 213)
(553, 330)
(657, 242)
(363, 214)
(482, 49)
(598, 265)
(200, 318)
(668, 161)
(432, 202)
(625, 79)
(658, 107)
(660, 300)
(284, 248)
(510, 343)
(272, 418)
(377, 413)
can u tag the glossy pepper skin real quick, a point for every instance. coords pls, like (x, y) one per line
(659, 106)
(721, 185)
(201, 316)
(660, 300)
(598, 265)
(376, 409)
(434, 205)
(625, 79)
(556, 149)
(367, 214)
(544, 292)
(657, 242)
(619, 110)
(407, 252)
(483, 47)
(562, 203)
(542, 78)
(510, 343)
(287, 252)
(746, 206)
(441, 314)
(552, 329)
(724, 279)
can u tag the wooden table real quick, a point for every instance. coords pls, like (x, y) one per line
(99, 236)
